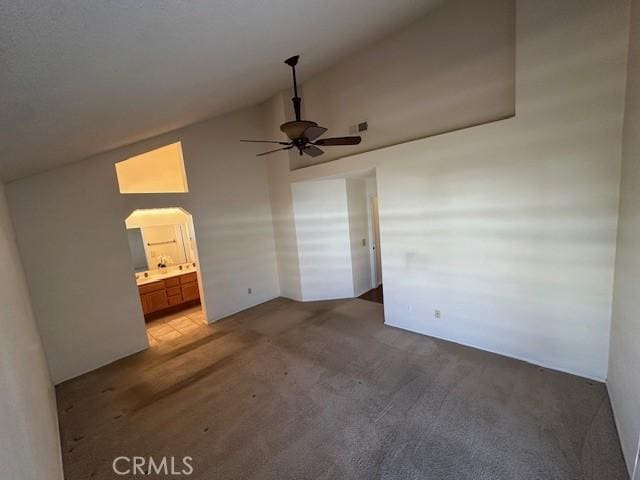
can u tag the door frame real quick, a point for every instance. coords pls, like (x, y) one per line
(375, 258)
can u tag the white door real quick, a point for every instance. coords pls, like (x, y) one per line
(376, 241)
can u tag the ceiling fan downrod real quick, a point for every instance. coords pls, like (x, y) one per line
(304, 134)
(292, 62)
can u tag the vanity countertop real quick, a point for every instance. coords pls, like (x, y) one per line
(156, 277)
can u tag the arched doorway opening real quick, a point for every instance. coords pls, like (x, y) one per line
(166, 267)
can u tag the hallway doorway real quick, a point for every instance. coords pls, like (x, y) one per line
(374, 295)
(375, 291)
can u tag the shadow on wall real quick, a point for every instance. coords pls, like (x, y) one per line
(333, 237)
(322, 231)
(509, 228)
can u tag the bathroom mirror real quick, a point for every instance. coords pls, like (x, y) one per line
(136, 245)
(159, 246)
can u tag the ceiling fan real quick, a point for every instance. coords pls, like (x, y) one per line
(304, 134)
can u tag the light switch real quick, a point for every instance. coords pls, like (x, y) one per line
(364, 242)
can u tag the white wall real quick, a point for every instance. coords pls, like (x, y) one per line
(89, 312)
(29, 439)
(70, 232)
(331, 220)
(624, 359)
(359, 231)
(453, 68)
(284, 229)
(322, 232)
(510, 228)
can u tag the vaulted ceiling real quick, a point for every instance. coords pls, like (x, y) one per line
(78, 77)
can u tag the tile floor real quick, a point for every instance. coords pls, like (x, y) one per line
(175, 325)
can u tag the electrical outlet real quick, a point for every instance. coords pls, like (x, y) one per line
(436, 314)
(249, 290)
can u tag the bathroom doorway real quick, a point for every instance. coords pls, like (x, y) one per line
(166, 269)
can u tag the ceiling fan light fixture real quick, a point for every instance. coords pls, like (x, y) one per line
(296, 128)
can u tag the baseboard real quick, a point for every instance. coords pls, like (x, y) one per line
(242, 309)
(503, 354)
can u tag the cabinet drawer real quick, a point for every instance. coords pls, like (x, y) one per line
(190, 291)
(151, 287)
(175, 299)
(172, 282)
(172, 291)
(189, 277)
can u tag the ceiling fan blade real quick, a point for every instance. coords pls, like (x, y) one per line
(276, 150)
(312, 133)
(339, 141)
(266, 141)
(312, 151)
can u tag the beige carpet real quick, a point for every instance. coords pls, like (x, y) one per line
(324, 390)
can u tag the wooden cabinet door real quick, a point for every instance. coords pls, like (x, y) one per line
(173, 291)
(146, 308)
(154, 301)
(190, 291)
(175, 299)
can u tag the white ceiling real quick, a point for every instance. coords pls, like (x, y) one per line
(78, 77)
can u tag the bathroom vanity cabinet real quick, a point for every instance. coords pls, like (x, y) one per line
(169, 293)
